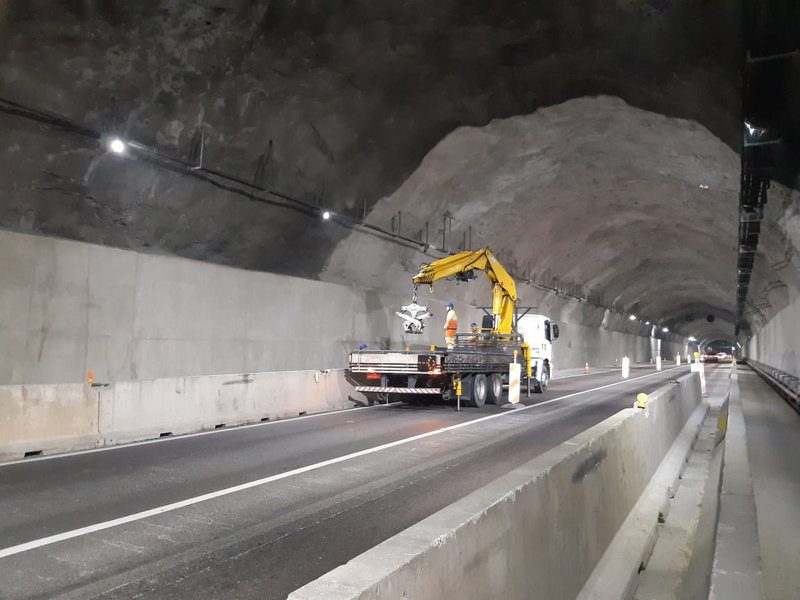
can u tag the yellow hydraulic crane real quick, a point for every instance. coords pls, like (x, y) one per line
(461, 266)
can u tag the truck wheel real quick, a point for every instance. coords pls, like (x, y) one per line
(495, 388)
(480, 390)
(544, 379)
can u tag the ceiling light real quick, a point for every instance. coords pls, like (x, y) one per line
(326, 215)
(647, 322)
(692, 338)
(754, 131)
(665, 329)
(116, 145)
(703, 186)
(632, 317)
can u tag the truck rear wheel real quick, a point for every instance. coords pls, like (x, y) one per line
(495, 388)
(543, 380)
(480, 390)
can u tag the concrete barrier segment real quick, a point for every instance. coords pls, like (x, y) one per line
(536, 532)
(40, 419)
(52, 418)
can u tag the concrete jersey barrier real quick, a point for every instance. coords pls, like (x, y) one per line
(38, 419)
(536, 532)
(41, 419)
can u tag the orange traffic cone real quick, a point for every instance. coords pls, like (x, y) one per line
(586, 369)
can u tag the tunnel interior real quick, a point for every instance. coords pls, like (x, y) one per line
(608, 179)
(211, 217)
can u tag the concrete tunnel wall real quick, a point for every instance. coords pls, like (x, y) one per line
(773, 307)
(777, 343)
(71, 307)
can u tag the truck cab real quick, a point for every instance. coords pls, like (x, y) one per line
(539, 333)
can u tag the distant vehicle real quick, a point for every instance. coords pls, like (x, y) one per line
(709, 357)
(724, 357)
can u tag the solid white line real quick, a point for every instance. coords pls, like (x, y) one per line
(60, 537)
(184, 436)
(583, 374)
(611, 370)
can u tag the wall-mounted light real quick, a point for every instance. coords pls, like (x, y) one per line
(647, 322)
(665, 329)
(117, 146)
(632, 317)
(692, 338)
(326, 215)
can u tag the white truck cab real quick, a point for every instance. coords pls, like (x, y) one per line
(539, 333)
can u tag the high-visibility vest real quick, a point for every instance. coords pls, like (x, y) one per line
(451, 325)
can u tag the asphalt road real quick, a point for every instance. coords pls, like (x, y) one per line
(161, 519)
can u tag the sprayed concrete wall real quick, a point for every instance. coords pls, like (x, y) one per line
(68, 307)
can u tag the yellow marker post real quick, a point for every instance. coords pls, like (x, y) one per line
(641, 400)
(90, 378)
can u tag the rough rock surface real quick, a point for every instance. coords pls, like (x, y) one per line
(637, 208)
(337, 101)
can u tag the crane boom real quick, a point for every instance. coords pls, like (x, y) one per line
(461, 266)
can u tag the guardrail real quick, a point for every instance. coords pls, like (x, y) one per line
(786, 384)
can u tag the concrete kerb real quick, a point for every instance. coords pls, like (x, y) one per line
(47, 419)
(538, 531)
(736, 573)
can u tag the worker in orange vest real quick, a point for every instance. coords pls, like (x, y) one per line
(450, 326)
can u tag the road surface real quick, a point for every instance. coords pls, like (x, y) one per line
(255, 512)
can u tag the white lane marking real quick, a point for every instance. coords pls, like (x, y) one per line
(60, 537)
(184, 436)
(612, 370)
(583, 374)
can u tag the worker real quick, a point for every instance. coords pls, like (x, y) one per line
(476, 333)
(450, 326)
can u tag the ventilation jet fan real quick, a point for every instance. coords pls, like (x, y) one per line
(414, 316)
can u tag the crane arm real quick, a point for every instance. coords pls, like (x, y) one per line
(461, 265)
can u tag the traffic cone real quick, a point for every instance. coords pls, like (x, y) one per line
(586, 369)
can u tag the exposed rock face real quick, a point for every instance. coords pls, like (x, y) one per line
(332, 102)
(639, 208)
